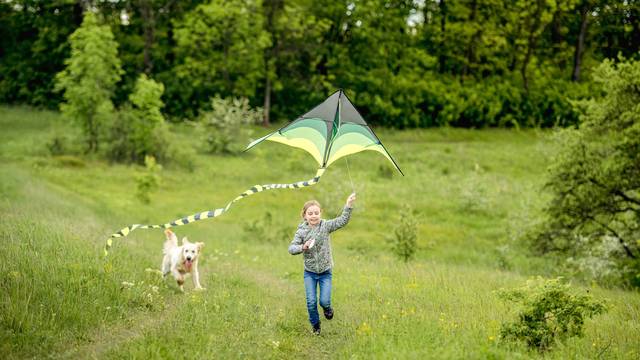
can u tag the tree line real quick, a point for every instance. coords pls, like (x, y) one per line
(406, 63)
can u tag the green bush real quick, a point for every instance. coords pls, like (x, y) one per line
(59, 145)
(404, 238)
(149, 180)
(69, 161)
(550, 312)
(223, 123)
(264, 230)
(140, 130)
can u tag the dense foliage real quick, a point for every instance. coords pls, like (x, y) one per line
(405, 63)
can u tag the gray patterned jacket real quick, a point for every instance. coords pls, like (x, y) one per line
(318, 259)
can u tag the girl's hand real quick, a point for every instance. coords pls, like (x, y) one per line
(308, 244)
(351, 199)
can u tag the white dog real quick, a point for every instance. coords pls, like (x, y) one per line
(181, 260)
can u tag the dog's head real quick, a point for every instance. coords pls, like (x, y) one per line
(190, 251)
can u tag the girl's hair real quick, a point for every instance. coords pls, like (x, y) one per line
(309, 204)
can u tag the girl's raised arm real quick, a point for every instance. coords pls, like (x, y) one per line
(343, 219)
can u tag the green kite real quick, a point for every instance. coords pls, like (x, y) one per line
(331, 130)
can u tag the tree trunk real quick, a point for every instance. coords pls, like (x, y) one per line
(514, 57)
(146, 11)
(531, 43)
(557, 38)
(92, 135)
(443, 21)
(225, 69)
(267, 99)
(78, 10)
(472, 40)
(577, 58)
(271, 8)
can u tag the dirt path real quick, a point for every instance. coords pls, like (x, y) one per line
(106, 338)
(109, 337)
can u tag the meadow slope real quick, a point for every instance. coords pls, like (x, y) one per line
(473, 192)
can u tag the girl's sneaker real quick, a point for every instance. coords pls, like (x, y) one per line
(316, 329)
(328, 313)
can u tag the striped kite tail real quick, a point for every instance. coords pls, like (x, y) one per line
(212, 213)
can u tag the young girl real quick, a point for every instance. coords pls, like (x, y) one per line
(312, 239)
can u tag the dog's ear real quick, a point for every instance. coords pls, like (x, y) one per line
(185, 241)
(200, 245)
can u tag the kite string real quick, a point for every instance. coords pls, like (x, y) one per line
(353, 188)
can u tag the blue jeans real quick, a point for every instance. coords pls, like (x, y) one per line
(311, 282)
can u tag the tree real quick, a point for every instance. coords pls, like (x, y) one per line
(595, 178)
(89, 79)
(221, 45)
(585, 10)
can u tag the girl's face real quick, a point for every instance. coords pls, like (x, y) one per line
(312, 215)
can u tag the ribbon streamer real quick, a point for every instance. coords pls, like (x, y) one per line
(212, 213)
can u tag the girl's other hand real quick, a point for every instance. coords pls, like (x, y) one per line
(351, 199)
(306, 245)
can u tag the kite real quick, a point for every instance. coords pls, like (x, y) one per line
(329, 131)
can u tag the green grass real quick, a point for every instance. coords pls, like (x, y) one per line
(473, 192)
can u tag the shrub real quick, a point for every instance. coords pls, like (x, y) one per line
(503, 253)
(222, 124)
(140, 129)
(403, 240)
(264, 230)
(149, 180)
(550, 312)
(69, 161)
(59, 145)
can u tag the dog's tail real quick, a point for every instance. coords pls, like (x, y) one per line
(171, 242)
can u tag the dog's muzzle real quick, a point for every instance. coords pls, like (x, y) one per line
(187, 264)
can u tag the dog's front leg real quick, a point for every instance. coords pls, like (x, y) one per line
(196, 277)
(166, 267)
(179, 278)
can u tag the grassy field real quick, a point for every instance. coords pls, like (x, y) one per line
(473, 193)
